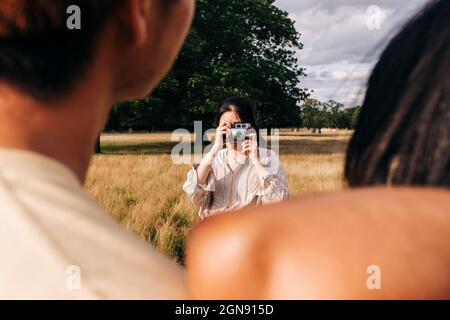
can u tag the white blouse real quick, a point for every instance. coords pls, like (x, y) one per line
(227, 190)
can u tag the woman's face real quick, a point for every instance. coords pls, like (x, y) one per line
(231, 117)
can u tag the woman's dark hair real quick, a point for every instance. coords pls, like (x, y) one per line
(404, 123)
(239, 105)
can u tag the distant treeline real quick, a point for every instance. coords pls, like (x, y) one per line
(316, 115)
(311, 114)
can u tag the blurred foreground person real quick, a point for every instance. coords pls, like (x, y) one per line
(386, 240)
(57, 85)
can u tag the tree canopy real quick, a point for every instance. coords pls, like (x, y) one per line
(235, 47)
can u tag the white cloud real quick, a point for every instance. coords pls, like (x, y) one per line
(343, 40)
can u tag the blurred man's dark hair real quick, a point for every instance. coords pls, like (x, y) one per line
(404, 128)
(38, 52)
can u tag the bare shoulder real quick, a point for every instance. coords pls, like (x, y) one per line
(324, 246)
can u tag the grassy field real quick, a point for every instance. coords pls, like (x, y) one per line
(136, 181)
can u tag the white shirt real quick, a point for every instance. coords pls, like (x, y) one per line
(57, 243)
(228, 190)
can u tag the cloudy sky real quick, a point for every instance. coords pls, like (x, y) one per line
(343, 39)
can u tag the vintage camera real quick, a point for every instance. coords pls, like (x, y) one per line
(241, 132)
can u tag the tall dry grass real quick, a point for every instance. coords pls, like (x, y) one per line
(136, 181)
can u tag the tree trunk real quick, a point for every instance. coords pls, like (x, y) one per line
(98, 148)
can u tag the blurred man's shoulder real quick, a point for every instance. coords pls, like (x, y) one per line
(61, 244)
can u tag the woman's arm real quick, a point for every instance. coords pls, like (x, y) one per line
(199, 194)
(200, 180)
(205, 166)
(271, 174)
(274, 186)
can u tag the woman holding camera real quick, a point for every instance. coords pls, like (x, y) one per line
(240, 175)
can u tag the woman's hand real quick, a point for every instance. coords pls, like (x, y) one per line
(222, 130)
(205, 165)
(250, 148)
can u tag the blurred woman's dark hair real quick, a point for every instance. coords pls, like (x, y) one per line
(403, 133)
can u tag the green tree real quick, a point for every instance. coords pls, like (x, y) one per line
(335, 114)
(98, 147)
(235, 47)
(355, 117)
(315, 115)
